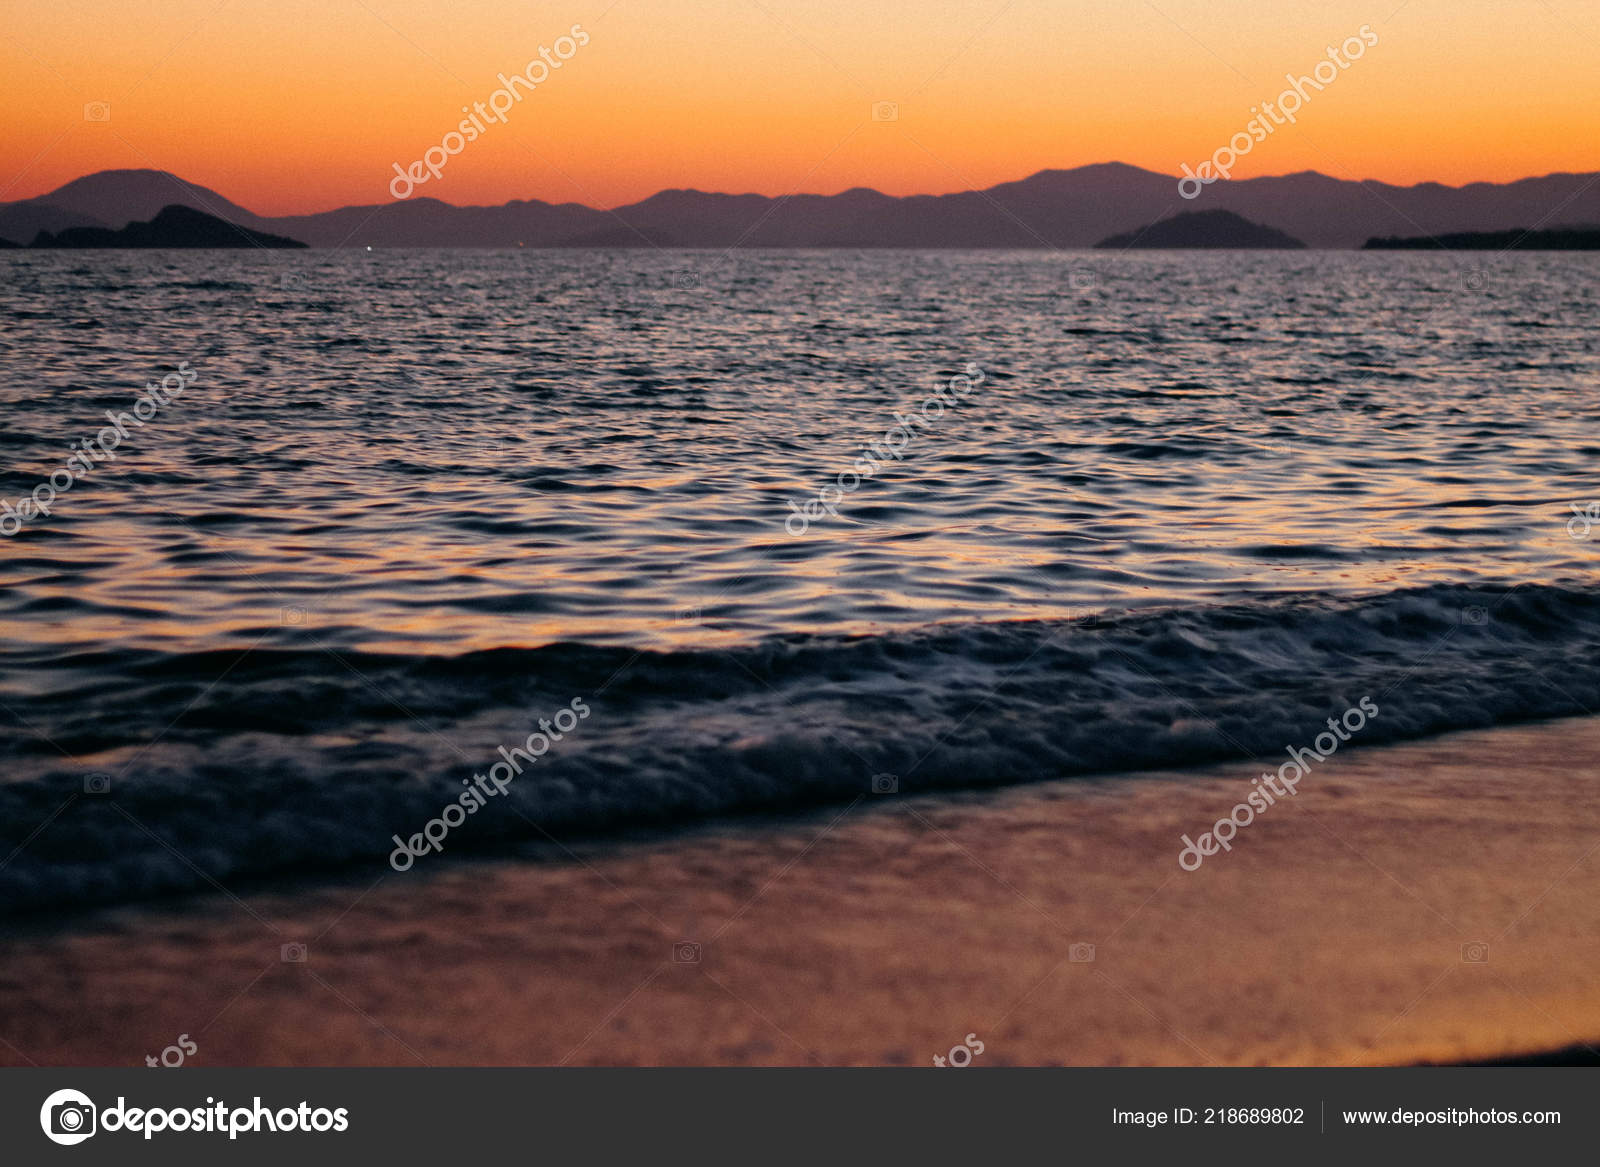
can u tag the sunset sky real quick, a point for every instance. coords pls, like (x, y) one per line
(302, 105)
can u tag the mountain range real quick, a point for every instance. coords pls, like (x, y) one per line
(1053, 208)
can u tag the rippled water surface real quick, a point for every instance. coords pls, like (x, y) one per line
(435, 451)
(1193, 504)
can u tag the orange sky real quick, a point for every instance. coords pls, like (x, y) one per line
(302, 105)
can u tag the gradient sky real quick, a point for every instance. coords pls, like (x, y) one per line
(302, 105)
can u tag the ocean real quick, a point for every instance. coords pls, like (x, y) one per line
(794, 529)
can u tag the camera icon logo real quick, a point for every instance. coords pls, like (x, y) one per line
(885, 111)
(1476, 616)
(97, 111)
(97, 784)
(68, 1117)
(1081, 954)
(686, 279)
(1475, 952)
(291, 281)
(1082, 280)
(686, 952)
(885, 784)
(1475, 280)
(293, 953)
(293, 617)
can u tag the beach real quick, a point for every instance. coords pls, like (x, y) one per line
(1428, 901)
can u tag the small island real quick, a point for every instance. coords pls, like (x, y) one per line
(173, 226)
(1204, 229)
(1559, 239)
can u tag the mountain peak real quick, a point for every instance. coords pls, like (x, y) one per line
(119, 197)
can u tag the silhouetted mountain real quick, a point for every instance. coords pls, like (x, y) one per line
(22, 221)
(430, 223)
(172, 227)
(1054, 208)
(1203, 229)
(115, 198)
(1565, 239)
(6, 245)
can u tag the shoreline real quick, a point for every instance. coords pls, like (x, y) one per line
(1344, 928)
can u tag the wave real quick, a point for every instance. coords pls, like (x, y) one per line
(238, 764)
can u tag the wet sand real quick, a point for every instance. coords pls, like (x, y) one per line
(1342, 929)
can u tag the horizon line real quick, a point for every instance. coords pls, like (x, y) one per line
(799, 194)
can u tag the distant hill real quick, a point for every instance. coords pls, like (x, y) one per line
(173, 226)
(1561, 239)
(115, 198)
(20, 222)
(1204, 229)
(1053, 208)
